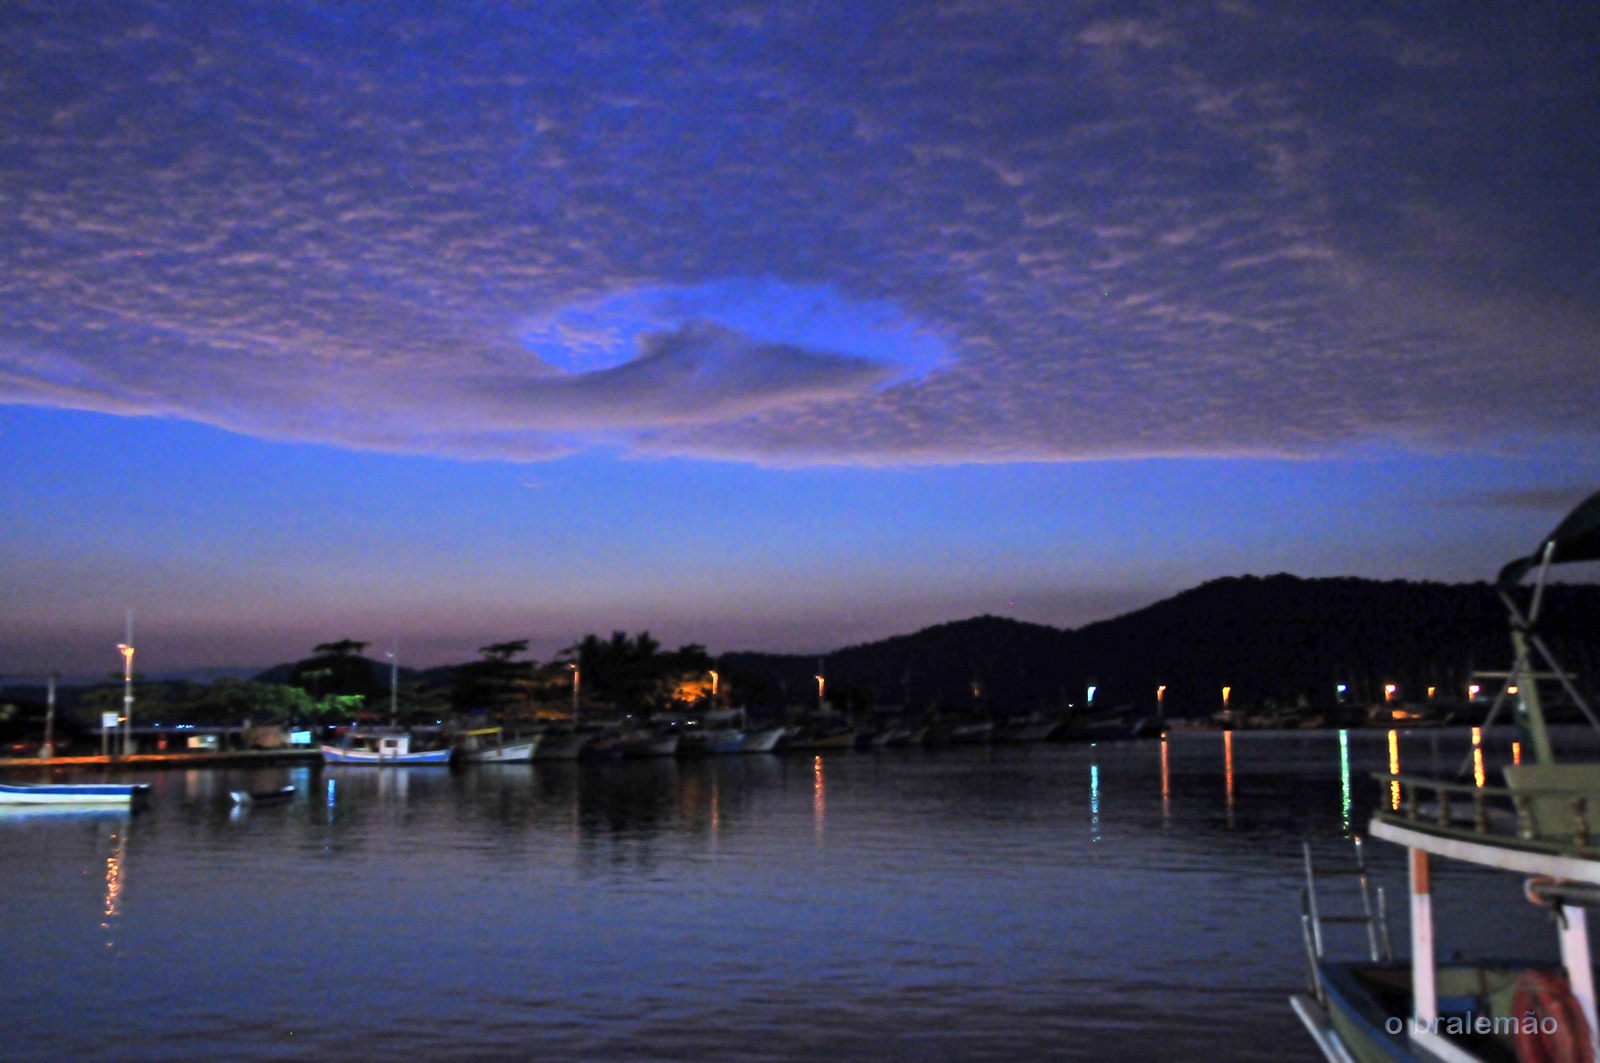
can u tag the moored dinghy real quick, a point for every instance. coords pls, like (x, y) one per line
(262, 797)
(73, 794)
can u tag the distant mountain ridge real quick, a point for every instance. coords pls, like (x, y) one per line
(1268, 638)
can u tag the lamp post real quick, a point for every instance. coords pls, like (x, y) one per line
(714, 678)
(1161, 701)
(126, 648)
(575, 681)
(821, 684)
(48, 750)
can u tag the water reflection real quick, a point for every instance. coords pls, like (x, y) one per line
(1394, 768)
(1344, 780)
(1166, 785)
(1094, 801)
(874, 907)
(116, 872)
(1477, 756)
(819, 799)
(1227, 748)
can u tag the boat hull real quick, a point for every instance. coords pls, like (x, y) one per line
(518, 752)
(70, 794)
(369, 758)
(762, 741)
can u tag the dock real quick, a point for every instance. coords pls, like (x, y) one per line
(168, 760)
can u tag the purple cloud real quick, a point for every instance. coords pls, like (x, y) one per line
(1245, 229)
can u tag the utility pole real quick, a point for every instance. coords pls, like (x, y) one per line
(394, 682)
(574, 668)
(48, 750)
(127, 689)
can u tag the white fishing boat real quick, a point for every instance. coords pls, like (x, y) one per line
(1541, 825)
(382, 749)
(72, 794)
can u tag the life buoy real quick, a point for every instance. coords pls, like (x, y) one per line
(1557, 1032)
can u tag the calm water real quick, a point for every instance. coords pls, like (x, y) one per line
(1009, 903)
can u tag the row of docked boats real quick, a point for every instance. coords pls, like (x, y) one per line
(708, 735)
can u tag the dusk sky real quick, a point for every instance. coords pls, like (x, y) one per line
(773, 326)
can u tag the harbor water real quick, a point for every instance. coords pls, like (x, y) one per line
(1132, 901)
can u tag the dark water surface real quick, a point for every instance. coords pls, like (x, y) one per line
(1006, 903)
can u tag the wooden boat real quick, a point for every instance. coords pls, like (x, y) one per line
(969, 734)
(762, 741)
(818, 741)
(382, 749)
(262, 797)
(723, 741)
(488, 745)
(1026, 732)
(560, 745)
(1538, 825)
(73, 794)
(643, 744)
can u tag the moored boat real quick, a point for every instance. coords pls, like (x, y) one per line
(262, 797)
(970, 734)
(489, 745)
(73, 793)
(382, 749)
(1538, 825)
(762, 741)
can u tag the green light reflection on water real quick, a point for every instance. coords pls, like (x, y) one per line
(1344, 775)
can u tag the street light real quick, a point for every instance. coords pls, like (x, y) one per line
(1472, 691)
(821, 682)
(1161, 701)
(126, 649)
(575, 681)
(713, 686)
(1092, 689)
(1389, 691)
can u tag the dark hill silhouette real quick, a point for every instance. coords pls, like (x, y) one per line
(1269, 638)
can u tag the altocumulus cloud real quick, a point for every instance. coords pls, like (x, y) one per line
(881, 233)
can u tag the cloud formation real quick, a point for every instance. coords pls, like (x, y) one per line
(1229, 229)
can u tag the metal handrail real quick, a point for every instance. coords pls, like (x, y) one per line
(1404, 792)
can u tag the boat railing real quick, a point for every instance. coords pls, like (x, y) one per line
(1491, 813)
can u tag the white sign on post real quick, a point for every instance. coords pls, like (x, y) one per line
(109, 721)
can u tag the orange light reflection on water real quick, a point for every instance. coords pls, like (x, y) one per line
(1477, 756)
(1227, 749)
(1166, 784)
(819, 798)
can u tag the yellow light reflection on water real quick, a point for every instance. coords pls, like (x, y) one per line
(1394, 768)
(819, 798)
(1344, 776)
(1477, 756)
(1516, 752)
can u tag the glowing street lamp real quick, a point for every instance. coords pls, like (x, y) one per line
(1227, 692)
(126, 649)
(575, 682)
(714, 686)
(1092, 689)
(821, 685)
(1389, 691)
(1161, 700)
(1472, 691)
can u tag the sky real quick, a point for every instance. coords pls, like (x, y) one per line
(772, 326)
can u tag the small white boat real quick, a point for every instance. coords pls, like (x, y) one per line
(381, 749)
(244, 798)
(73, 794)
